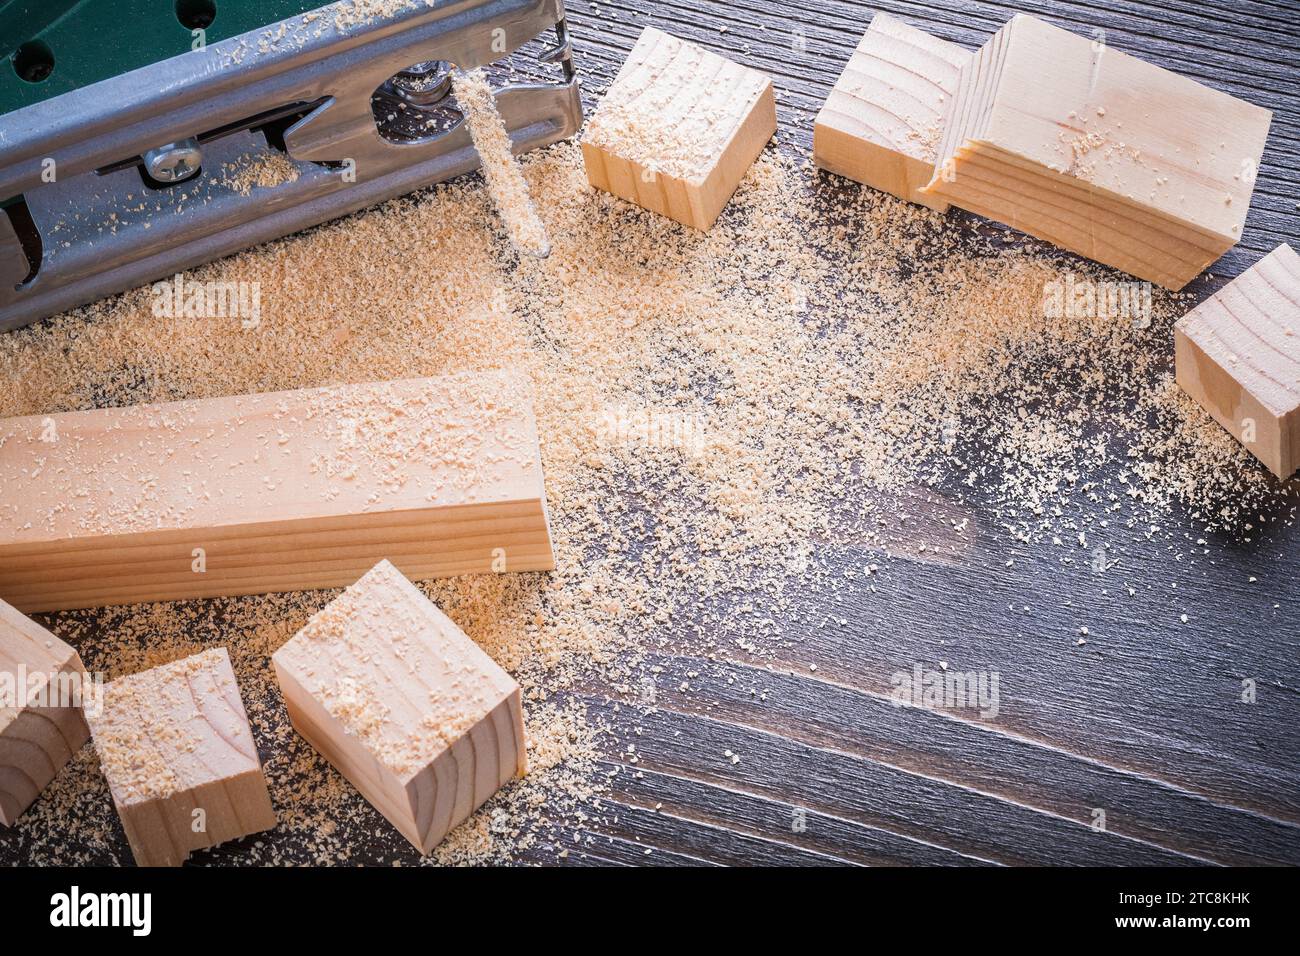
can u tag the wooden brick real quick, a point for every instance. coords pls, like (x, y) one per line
(41, 723)
(678, 129)
(1238, 354)
(272, 492)
(180, 760)
(1099, 152)
(407, 707)
(882, 123)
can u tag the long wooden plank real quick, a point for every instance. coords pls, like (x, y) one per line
(271, 492)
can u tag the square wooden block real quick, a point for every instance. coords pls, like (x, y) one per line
(678, 129)
(180, 760)
(882, 123)
(404, 705)
(1238, 354)
(41, 724)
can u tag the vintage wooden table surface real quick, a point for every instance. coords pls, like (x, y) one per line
(1150, 730)
(1144, 727)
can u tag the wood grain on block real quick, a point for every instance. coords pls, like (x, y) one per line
(407, 707)
(1116, 159)
(273, 492)
(41, 723)
(678, 129)
(175, 746)
(882, 122)
(1238, 354)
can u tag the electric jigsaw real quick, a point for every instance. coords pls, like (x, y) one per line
(121, 122)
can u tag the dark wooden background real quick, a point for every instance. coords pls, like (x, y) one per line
(1144, 723)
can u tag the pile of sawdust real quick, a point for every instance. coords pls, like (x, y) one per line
(840, 348)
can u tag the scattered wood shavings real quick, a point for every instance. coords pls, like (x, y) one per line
(864, 374)
(260, 171)
(351, 13)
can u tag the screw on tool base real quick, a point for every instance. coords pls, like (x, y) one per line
(174, 162)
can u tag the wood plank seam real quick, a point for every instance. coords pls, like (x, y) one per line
(750, 833)
(722, 784)
(1042, 744)
(999, 798)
